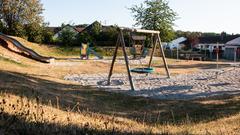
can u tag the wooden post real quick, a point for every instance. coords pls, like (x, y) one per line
(163, 55)
(153, 51)
(120, 41)
(126, 60)
(205, 49)
(217, 53)
(113, 61)
(235, 55)
(178, 52)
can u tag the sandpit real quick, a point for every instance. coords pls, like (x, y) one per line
(206, 83)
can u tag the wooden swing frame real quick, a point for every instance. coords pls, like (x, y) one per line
(121, 42)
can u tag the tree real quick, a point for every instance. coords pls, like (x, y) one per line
(16, 14)
(47, 36)
(67, 35)
(155, 15)
(34, 32)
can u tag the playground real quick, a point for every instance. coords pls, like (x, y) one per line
(135, 75)
(195, 89)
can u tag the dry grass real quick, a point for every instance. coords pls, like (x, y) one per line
(24, 116)
(79, 121)
(35, 99)
(50, 50)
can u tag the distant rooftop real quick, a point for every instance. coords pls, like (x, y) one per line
(217, 39)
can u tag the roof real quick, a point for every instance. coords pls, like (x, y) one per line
(89, 27)
(235, 41)
(57, 29)
(178, 40)
(217, 39)
(54, 29)
(79, 29)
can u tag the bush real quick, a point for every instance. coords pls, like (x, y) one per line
(47, 36)
(33, 32)
(1, 26)
(67, 36)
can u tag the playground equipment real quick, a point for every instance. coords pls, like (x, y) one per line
(24, 50)
(86, 51)
(142, 70)
(121, 42)
(138, 50)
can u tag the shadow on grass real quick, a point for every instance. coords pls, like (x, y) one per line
(145, 110)
(12, 125)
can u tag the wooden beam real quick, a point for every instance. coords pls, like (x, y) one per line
(146, 31)
(113, 60)
(140, 30)
(163, 55)
(126, 59)
(154, 43)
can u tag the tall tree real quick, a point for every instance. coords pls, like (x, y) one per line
(155, 15)
(16, 14)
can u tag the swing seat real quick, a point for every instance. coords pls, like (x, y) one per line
(143, 53)
(142, 70)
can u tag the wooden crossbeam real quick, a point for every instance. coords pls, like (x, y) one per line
(140, 30)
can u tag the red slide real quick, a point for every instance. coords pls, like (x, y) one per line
(26, 50)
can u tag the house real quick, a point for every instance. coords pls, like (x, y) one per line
(175, 44)
(209, 45)
(90, 27)
(232, 49)
(74, 29)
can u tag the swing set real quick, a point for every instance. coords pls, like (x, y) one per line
(121, 42)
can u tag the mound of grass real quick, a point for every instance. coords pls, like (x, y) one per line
(50, 50)
(4, 59)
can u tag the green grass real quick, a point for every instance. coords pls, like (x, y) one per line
(68, 51)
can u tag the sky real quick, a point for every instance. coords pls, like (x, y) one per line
(193, 15)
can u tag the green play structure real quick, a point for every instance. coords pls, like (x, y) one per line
(86, 50)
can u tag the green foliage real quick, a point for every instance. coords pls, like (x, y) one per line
(34, 32)
(111, 33)
(90, 34)
(17, 29)
(67, 35)
(1, 26)
(107, 36)
(22, 18)
(83, 37)
(47, 36)
(155, 15)
(96, 29)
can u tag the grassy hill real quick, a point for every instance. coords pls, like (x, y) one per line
(50, 50)
(34, 99)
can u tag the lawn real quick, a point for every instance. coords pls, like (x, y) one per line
(34, 99)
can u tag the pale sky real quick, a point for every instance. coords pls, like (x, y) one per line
(194, 15)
